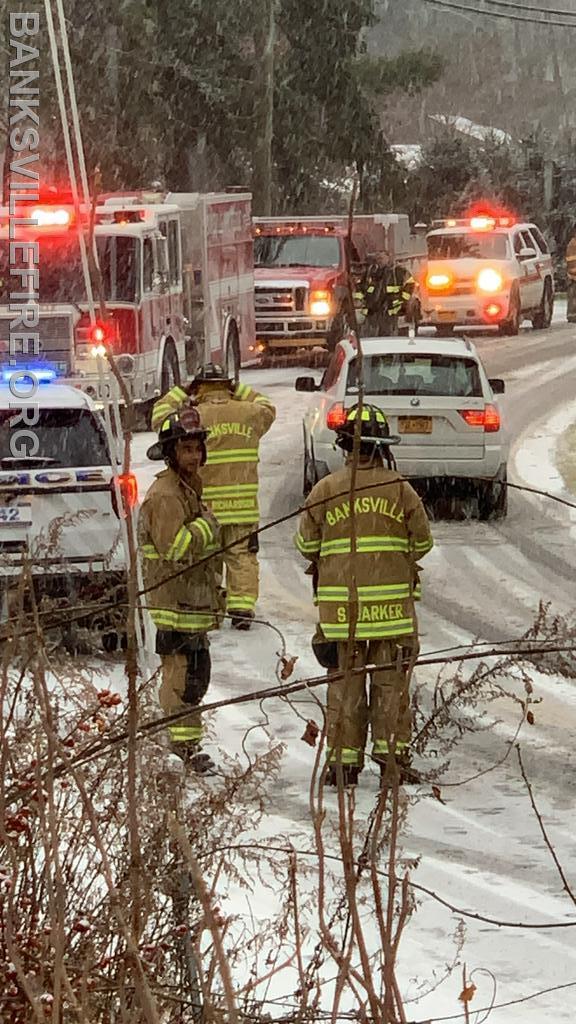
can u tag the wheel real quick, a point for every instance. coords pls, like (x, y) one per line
(543, 318)
(493, 497)
(233, 355)
(170, 368)
(511, 326)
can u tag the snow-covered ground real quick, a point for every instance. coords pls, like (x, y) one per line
(481, 850)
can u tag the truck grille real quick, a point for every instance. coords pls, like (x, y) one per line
(56, 341)
(279, 300)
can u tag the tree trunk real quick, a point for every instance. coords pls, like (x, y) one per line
(264, 39)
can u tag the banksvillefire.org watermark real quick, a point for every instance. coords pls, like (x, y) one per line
(23, 180)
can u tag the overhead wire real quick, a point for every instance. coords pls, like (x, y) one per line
(447, 5)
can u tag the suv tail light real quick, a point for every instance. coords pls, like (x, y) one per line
(128, 488)
(336, 416)
(488, 418)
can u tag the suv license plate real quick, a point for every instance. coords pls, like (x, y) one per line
(415, 424)
(446, 314)
(15, 514)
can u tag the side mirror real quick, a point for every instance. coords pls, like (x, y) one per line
(498, 386)
(306, 384)
(527, 254)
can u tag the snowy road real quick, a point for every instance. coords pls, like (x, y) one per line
(482, 850)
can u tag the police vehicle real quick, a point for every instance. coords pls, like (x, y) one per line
(487, 270)
(61, 503)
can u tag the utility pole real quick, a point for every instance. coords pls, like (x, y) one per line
(264, 41)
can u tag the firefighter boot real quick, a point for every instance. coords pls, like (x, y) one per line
(407, 775)
(350, 775)
(194, 758)
(241, 619)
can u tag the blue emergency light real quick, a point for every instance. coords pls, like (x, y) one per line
(29, 374)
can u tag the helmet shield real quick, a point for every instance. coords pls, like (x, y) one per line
(179, 425)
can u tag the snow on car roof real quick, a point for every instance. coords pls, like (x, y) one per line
(422, 346)
(47, 396)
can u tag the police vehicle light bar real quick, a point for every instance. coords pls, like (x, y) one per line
(34, 374)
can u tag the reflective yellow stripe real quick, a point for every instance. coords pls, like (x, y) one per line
(185, 733)
(245, 603)
(204, 530)
(384, 592)
(217, 492)
(423, 545)
(348, 755)
(231, 518)
(306, 546)
(182, 621)
(381, 746)
(262, 400)
(179, 545)
(333, 593)
(169, 403)
(149, 551)
(364, 545)
(216, 458)
(368, 630)
(242, 391)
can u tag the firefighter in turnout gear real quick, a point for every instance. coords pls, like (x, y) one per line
(175, 532)
(571, 272)
(236, 418)
(367, 575)
(382, 296)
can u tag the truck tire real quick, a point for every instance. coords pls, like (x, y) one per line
(511, 326)
(493, 497)
(170, 368)
(232, 354)
(543, 318)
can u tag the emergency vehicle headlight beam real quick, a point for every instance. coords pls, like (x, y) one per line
(45, 218)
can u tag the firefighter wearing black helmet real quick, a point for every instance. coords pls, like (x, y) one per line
(236, 418)
(176, 532)
(366, 582)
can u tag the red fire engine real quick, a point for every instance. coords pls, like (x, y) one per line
(301, 271)
(177, 274)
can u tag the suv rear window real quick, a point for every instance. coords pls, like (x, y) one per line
(417, 374)
(68, 437)
(475, 245)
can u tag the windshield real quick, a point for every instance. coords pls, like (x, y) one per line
(296, 251)
(478, 246)
(400, 374)
(60, 269)
(67, 437)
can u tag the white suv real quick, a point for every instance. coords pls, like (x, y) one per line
(436, 396)
(487, 271)
(59, 513)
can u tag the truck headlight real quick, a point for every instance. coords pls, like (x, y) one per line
(490, 280)
(320, 304)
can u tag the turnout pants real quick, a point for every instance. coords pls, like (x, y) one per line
(185, 679)
(383, 703)
(242, 575)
